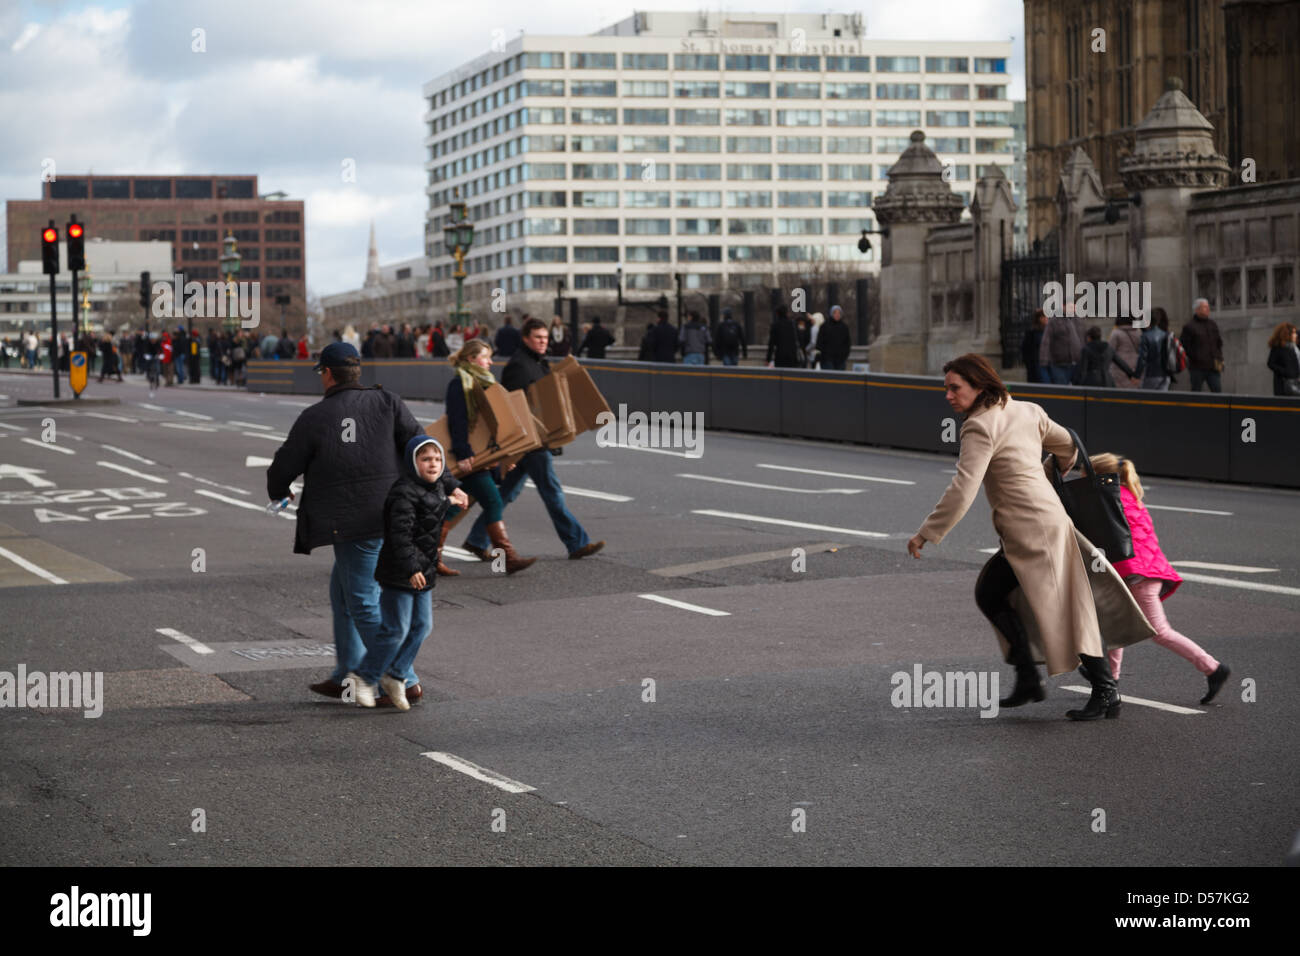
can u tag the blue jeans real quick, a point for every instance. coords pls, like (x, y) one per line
(537, 466)
(180, 371)
(407, 619)
(354, 598)
(833, 366)
(1060, 374)
(693, 358)
(730, 360)
(1207, 376)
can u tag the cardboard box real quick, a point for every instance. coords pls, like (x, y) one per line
(584, 397)
(549, 400)
(480, 438)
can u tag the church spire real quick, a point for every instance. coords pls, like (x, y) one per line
(372, 260)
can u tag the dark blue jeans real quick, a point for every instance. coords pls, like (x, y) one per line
(537, 466)
(407, 619)
(1207, 376)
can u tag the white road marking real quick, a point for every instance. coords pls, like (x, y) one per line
(29, 475)
(838, 474)
(1243, 585)
(279, 438)
(249, 425)
(1207, 566)
(206, 418)
(252, 461)
(189, 428)
(156, 408)
(214, 484)
(129, 454)
(296, 404)
(586, 492)
(478, 773)
(12, 428)
(131, 471)
(28, 566)
(191, 643)
(48, 444)
(794, 491)
(1195, 511)
(657, 451)
(458, 553)
(1141, 701)
(684, 606)
(112, 418)
(790, 524)
(235, 501)
(717, 564)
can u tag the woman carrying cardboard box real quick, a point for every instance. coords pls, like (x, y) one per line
(473, 364)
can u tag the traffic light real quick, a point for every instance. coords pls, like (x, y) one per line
(50, 250)
(144, 289)
(76, 246)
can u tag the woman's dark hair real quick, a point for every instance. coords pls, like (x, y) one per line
(1040, 318)
(1160, 318)
(1093, 334)
(976, 370)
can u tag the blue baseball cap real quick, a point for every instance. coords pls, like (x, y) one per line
(337, 355)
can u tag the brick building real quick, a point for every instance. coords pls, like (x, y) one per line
(193, 213)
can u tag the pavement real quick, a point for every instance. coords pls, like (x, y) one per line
(717, 686)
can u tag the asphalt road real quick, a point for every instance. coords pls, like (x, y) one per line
(762, 733)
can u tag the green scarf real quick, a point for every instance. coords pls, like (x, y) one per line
(469, 374)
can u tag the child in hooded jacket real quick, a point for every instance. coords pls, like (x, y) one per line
(1151, 578)
(413, 514)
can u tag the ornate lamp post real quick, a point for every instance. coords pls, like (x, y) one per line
(458, 236)
(230, 272)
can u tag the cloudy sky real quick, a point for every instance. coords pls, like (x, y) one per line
(289, 89)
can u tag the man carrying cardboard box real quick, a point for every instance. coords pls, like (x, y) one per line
(526, 366)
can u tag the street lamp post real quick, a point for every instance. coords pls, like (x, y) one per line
(458, 236)
(230, 273)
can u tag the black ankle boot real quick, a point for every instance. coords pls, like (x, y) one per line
(1028, 686)
(1113, 709)
(1105, 693)
(1216, 682)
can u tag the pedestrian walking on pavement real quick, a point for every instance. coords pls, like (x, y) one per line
(1030, 346)
(473, 365)
(729, 340)
(833, 341)
(1153, 353)
(782, 341)
(1002, 442)
(695, 340)
(1204, 345)
(1096, 359)
(349, 448)
(414, 511)
(506, 340)
(663, 340)
(1062, 346)
(526, 366)
(1125, 341)
(1152, 579)
(594, 342)
(1284, 360)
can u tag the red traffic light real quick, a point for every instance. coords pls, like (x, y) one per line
(50, 235)
(75, 231)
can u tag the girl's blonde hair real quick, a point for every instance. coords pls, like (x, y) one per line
(465, 354)
(1106, 463)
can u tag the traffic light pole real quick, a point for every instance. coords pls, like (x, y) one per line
(76, 336)
(54, 339)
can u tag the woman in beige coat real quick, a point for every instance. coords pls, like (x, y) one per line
(1002, 441)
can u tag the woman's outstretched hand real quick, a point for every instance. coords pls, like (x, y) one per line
(914, 545)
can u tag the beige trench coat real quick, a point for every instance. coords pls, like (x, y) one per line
(1001, 448)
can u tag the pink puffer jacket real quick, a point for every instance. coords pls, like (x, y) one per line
(1148, 560)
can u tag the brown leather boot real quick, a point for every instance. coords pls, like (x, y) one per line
(443, 570)
(497, 532)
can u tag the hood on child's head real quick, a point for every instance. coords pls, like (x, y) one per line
(413, 448)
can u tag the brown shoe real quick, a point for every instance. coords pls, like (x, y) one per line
(497, 532)
(589, 550)
(328, 688)
(443, 570)
(479, 553)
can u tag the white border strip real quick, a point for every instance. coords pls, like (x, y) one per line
(789, 524)
(1244, 585)
(1209, 566)
(1140, 701)
(585, 493)
(478, 773)
(35, 569)
(837, 474)
(684, 606)
(792, 491)
(1194, 511)
(129, 454)
(48, 444)
(242, 504)
(131, 471)
(191, 643)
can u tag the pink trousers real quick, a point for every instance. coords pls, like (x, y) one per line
(1146, 591)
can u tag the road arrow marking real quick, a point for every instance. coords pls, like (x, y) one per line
(26, 474)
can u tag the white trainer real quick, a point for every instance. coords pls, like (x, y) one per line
(396, 691)
(363, 692)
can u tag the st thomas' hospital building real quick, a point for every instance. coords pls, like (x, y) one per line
(728, 147)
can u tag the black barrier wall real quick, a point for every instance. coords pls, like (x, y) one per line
(1250, 439)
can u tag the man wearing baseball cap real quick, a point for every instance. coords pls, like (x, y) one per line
(348, 447)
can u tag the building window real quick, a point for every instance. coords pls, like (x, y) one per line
(951, 144)
(848, 144)
(990, 92)
(945, 118)
(699, 227)
(798, 91)
(742, 61)
(899, 91)
(544, 171)
(749, 144)
(749, 227)
(545, 199)
(594, 144)
(549, 143)
(749, 200)
(798, 144)
(749, 253)
(544, 227)
(547, 88)
(588, 199)
(991, 64)
(648, 253)
(799, 171)
(804, 64)
(543, 61)
(697, 117)
(154, 189)
(992, 118)
(799, 199)
(698, 200)
(849, 171)
(633, 117)
(595, 227)
(636, 88)
(583, 281)
(594, 61)
(798, 227)
(947, 64)
(898, 118)
(898, 64)
(848, 227)
(848, 91)
(595, 253)
(848, 117)
(594, 170)
(647, 171)
(193, 189)
(546, 254)
(646, 199)
(987, 170)
(699, 253)
(695, 89)
(749, 170)
(591, 116)
(695, 61)
(740, 89)
(848, 64)
(694, 171)
(797, 253)
(698, 144)
(552, 116)
(647, 280)
(645, 144)
(645, 61)
(647, 227)
(798, 117)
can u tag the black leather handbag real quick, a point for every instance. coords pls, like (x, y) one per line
(1092, 501)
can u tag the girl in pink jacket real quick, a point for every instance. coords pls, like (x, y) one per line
(1151, 578)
